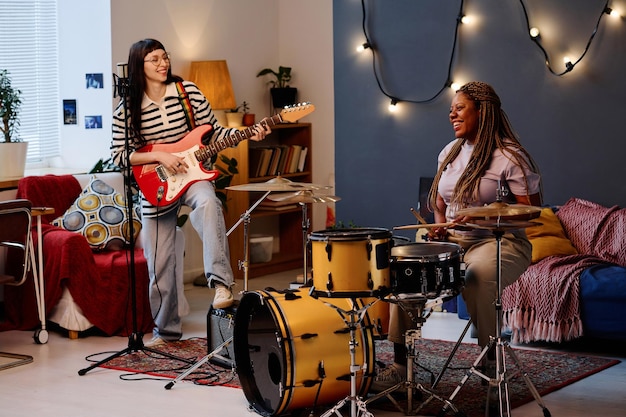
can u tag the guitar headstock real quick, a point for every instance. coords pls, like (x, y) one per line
(295, 112)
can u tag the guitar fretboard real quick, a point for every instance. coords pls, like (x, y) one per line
(214, 148)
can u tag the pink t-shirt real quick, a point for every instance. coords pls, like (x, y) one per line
(502, 168)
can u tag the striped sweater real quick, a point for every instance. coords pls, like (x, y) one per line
(163, 122)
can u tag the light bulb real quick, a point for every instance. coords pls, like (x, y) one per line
(534, 32)
(466, 19)
(362, 47)
(455, 87)
(393, 106)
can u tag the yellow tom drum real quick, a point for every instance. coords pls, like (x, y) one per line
(351, 262)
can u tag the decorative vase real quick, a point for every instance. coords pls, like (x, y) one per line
(13, 159)
(234, 119)
(248, 119)
(282, 97)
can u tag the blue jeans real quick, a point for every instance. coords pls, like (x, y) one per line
(159, 237)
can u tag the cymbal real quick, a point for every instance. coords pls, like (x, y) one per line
(501, 210)
(305, 196)
(278, 184)
(501, 225)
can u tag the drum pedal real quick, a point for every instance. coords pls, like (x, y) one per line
(220, 324)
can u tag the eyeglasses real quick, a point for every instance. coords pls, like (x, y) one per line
(156, 60)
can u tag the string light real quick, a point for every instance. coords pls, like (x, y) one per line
(569, 65)
(393, 106)
(533, 32)
(362, 47)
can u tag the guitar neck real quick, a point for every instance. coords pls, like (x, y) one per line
(206, 152)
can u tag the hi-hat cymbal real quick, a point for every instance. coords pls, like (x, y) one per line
(305, 196)
(502, 210)
(278, 184)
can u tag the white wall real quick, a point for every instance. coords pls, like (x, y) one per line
(84, 48)
(249, 35)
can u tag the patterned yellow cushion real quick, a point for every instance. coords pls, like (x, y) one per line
(100, 214)
(549, 238)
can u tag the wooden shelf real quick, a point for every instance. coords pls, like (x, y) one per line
(286, 225)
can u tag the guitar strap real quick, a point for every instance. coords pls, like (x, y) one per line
(184, 101)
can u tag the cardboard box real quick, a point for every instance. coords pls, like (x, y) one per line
(261, 248)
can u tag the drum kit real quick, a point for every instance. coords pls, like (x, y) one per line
(286, 341)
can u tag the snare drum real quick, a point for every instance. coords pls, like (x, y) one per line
(292, 351)
(429, 269)
(350, 262)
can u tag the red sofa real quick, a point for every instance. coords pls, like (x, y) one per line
(97, 282)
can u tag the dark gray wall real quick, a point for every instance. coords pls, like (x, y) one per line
(573, 125)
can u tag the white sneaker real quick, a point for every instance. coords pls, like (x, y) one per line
(155, 341)
(223, 297)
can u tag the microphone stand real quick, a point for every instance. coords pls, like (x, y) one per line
(135, 339)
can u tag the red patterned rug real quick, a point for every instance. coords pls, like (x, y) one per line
(548, 371)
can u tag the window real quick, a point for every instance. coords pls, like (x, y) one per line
(29, 51)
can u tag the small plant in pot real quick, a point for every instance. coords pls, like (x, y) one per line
(13, 150)
(235, 115)
(282, 94)
(10, 103)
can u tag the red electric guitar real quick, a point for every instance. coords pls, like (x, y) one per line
(161, 187)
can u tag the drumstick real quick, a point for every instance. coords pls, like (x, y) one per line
(418, 216)
(419, 226)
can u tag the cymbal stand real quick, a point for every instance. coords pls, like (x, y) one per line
(501, 346)
(245, 218)
(414, 307)
(305, 230)
(196, 365)
(358, 407)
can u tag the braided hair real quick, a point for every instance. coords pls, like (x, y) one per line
(494, 132)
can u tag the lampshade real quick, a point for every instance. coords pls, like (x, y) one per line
(213, 79)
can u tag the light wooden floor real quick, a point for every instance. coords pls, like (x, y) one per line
(51, 386)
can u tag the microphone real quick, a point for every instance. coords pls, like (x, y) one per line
(121, 84)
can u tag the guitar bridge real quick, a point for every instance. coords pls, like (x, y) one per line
(161, 173)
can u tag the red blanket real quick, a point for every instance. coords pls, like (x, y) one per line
(99, 282)
(544, 303)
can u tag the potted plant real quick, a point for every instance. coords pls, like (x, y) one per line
(13, 154)
(282, 94)
(234, 117)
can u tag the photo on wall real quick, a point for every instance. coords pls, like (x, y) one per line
(93, 122)
(94, 80)
(69, 112)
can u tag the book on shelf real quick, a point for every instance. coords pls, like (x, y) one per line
(275, 160)
(281, 204)
(273, 166)
(256, 154)
(290, 206)
(266, 158)
(302, 160)
(295, 157)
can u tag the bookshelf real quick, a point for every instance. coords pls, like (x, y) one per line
(285, 225)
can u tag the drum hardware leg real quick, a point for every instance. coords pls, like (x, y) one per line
(306, 223)
(502, 377)
(196, 365)
(358, 407)
(245, 218)
(415, 310)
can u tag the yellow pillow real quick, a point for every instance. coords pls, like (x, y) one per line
(549, 238)
(99, 214)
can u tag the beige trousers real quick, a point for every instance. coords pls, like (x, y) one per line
(480, 291)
